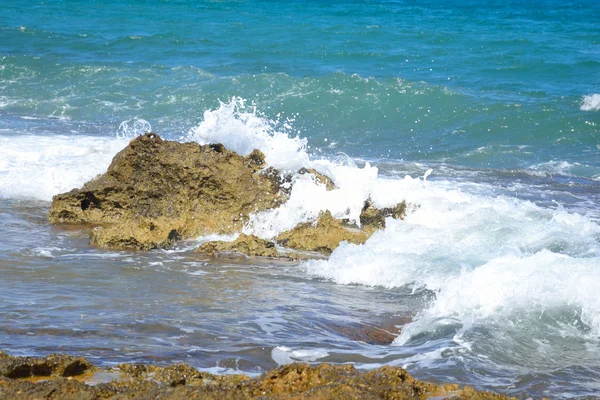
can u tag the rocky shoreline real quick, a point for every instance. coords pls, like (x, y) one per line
(66, 377)
(157, 192)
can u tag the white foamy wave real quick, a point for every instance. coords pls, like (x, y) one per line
(504, 286)
(38, 167)
(241, 129)
(473, 251)
(558, 167)
(590, 102)
(308, 198)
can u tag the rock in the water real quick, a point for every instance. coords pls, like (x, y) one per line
(323, 236)
(249, 245)
(156, 191)
(322, 179)
(375, 218)
(141, 235)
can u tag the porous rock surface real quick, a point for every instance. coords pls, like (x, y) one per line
(249, 245)
(181, 381)
(374, 218)
(326, 233)
(157, 191)
(323, 235)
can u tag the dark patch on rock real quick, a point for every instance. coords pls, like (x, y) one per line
(256, 159)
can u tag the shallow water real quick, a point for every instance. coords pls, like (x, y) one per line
(484, 117)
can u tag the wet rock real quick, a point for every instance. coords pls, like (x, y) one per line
(365, 333)
(345, 382)
(323, 236)
(249, 245)
(52, 365)
(322, 179)
(374, 218)
(297, 381)
(158, 191)
(142, 235)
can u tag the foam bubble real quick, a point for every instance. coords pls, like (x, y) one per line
(590, 102)
(308, 198)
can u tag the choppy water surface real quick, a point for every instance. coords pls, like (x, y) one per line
(484, 117)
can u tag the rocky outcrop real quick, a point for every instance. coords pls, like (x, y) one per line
(181, 381)
(374, 218)
(322, 236)
(158, 191)
(248, 245)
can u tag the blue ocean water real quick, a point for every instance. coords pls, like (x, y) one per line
(500, 99)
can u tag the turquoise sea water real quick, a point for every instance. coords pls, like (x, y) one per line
(500, 99)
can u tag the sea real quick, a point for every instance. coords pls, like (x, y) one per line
(483, 115)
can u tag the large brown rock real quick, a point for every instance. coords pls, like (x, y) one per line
(158, 191)
(322, 236)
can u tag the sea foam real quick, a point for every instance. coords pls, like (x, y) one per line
(590, 102)
(241, 129)
(483, 256)
(38, 167)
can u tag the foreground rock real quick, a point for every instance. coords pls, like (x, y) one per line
(156, 192)
(180, 381)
